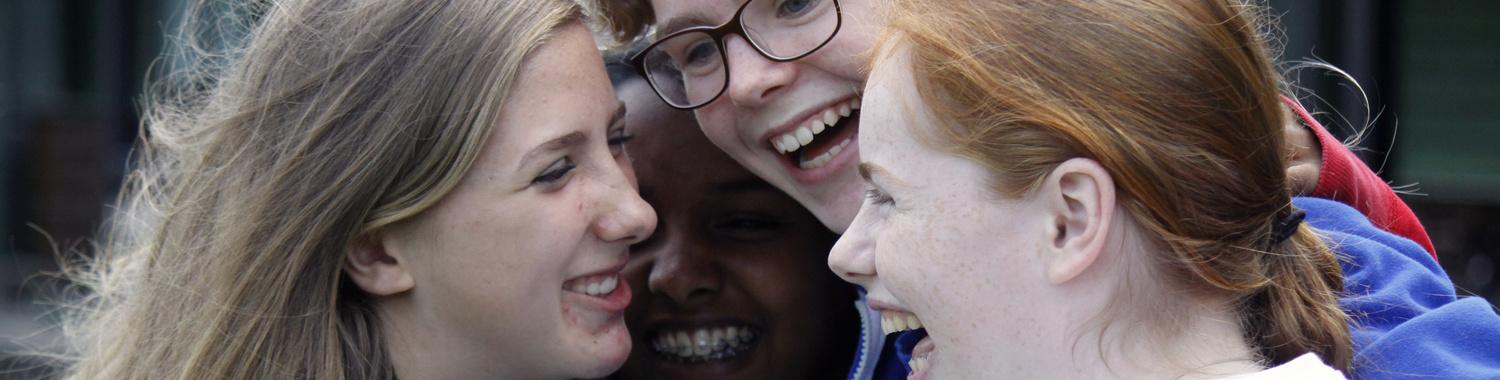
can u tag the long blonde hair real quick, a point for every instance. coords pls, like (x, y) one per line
(1179, 101)
(254, 174)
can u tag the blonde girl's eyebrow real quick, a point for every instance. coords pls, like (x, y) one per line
(568, 140)
(619, 115)
(559, 143)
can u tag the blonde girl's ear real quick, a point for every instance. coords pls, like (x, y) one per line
(1079, 203)
(374, 270)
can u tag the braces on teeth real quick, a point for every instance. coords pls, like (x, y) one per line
(703, 345)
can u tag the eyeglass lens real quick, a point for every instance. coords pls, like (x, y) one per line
(688, 69)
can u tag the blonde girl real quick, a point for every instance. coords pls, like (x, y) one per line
(373, 189)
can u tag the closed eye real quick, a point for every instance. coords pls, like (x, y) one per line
(556, 173)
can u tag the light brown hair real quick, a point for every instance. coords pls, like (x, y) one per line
(1178, 101)
(619, 22)
(258, 167)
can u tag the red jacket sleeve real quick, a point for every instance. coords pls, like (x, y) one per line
(1344, 178)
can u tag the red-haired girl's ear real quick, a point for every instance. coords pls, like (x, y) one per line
(1079, 198)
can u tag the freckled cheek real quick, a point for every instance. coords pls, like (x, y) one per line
(717, 120)
(906, 262)
(941, 277)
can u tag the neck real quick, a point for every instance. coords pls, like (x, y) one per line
(1133, 338)
(1201, 344)
(418, 350)
(1119, 328)
(1155, 332)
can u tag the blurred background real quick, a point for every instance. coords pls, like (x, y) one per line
(71, 72)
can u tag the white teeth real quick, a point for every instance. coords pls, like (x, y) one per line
(804, 136)
(823, 159)
(917, 364)
(704, 344)
(800, 137)
(684, 344)
(595, 286)
(700, 342)
(894, 321)
(609, 285)
(789, 142)
(819, 161)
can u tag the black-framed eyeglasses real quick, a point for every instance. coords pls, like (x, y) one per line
(689, 68)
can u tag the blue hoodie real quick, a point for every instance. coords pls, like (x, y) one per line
(1408, 321)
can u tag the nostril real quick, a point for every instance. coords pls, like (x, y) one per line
(685, 278)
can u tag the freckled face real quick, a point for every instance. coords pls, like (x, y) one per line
(934, 240)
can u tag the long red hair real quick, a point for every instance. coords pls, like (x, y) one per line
(1179, 101)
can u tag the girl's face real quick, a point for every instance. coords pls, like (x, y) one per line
(933, 240)
(733, 283)
(766, 100)
(517, 271)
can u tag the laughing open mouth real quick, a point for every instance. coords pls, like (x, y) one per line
(912, 342)
(820, 139)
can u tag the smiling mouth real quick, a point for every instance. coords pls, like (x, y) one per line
(702, 345)
(821, 138)
(594, 286)
(892, 321)
(895, 321)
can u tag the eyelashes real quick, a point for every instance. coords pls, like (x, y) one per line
(878, 197)
(617, 142)
(556, 172)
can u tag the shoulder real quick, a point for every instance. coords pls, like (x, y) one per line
(1306, 367)
(1362, 244)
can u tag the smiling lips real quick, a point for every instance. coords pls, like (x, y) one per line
(597, 285)
(894, 321)
(599, 291)
(804, 136)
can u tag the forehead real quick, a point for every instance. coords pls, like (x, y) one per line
(557, 90)
(892, 107)
(675, 14)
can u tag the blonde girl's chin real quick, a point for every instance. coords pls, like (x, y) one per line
(604, 353)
